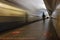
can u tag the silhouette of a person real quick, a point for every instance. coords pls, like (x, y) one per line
(43, 16)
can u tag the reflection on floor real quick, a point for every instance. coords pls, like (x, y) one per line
(41, 30)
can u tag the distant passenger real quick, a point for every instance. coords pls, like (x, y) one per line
(43, 16)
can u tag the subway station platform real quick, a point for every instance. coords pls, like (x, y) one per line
(40, 30)
(17, 20)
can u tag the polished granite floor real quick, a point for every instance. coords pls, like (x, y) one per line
(41, 30)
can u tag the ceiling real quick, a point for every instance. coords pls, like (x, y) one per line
(33, 5)
(51, 5)
(29, 5)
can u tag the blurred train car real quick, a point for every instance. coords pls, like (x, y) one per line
(11, 17)
(57, 24)
(56, 15)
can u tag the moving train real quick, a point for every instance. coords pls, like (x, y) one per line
(56, 21)
(11, 17)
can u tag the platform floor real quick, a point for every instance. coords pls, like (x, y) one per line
(41, 30)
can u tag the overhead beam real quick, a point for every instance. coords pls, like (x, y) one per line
(51, 5)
